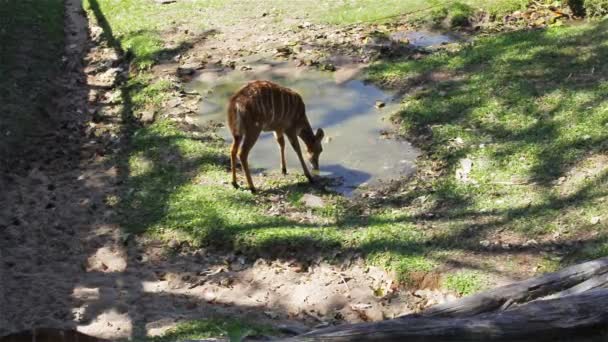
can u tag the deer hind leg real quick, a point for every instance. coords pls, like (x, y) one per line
(293, 139)
(236, 142)
(250, 138)
(281, 141)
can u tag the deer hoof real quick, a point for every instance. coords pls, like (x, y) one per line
(284, 172)
(235, 185)
(253, 190)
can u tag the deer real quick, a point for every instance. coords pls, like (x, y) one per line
(266, 106)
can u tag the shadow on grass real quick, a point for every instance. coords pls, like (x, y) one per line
(528, 108)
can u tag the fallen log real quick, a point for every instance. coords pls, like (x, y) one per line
(521, 291)
(549, 320)
(570, 301)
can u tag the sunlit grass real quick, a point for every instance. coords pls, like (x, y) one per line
(524, 107)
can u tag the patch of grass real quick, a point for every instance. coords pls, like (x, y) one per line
(368, 10)
(525, 108)
(421, 10)
(599, 249)
(165, 197)
(590, 8)
(147, 91)
(549, 264)
(31, 40)
(138, 24)
(232, 329)
(454, 14)
(465, 283)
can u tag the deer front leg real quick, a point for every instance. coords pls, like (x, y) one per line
(281, 141)
(293, 139)
(233, 152)
(248, 142)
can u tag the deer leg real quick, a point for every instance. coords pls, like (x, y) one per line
(233, 152)
(250, 138)
(293, 139)
(281, 141)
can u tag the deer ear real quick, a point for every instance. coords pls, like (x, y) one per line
(320, 134)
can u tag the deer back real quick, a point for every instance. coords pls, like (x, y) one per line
(266, 106)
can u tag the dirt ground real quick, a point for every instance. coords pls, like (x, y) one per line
(66, 262)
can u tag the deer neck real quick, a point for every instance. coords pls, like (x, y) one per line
(307, 136)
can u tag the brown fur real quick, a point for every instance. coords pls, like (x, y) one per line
(266, 106)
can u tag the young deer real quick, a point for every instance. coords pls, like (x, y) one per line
(265, 106)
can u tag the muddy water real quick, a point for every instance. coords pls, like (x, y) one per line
(354, 150)
(424, 39)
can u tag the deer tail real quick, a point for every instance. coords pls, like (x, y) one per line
(235, 118)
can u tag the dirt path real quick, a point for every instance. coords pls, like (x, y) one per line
(66, 262)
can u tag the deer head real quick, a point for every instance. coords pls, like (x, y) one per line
(315, 150)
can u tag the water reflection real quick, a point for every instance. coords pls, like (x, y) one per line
(354, 149)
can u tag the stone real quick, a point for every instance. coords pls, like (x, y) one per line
(184, 71)
(312, 201)
(147, 116)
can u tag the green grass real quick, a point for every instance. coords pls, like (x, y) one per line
(138, 25)
(465, 283)
(233, 330)
(527, 108)
(31, 44)
(425, 10)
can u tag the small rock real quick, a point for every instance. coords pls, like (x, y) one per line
(379, 104)
(147, 117)
(271, 314)
(174, 243)
(484, 243)
(329, 67)
(595, 220)
(531, 242)
(184, 71)
(313, 201)
(462, 173)
(174, 102)
(283, 51)
(225, 282)
(362, 306)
